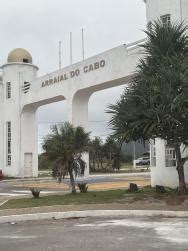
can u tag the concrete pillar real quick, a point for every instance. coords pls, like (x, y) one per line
(78, 116)
(160, 153)
(1, 145)
(29, 145)
(1, 125)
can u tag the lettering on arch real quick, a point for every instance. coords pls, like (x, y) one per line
(74, 73)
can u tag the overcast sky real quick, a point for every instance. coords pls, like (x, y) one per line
(38, 25)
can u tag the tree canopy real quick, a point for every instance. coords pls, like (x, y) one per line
(155, 104)
(105, 155)
(64, 147)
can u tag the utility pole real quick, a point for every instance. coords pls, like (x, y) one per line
(83, 49)
(59, 54)
(70, 47)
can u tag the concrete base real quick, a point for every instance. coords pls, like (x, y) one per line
(166, 176)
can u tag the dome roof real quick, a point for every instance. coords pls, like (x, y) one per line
(19, 55)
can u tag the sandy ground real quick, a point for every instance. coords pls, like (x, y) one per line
(140, 181)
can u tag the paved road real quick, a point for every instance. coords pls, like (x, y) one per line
(96, 234)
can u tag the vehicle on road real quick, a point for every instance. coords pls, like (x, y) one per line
(142, 161)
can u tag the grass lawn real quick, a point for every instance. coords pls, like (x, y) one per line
(100, 197)
(67, 199)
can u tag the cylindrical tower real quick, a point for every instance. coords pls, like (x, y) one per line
(1, 121)
(17, 74)
(167, 10)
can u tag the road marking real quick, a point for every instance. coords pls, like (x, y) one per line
(17, 237)
(3, 202)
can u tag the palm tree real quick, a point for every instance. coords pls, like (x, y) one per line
(112, 152)
(96, 153)
(105, 155)
(64, 146)
(156, 102)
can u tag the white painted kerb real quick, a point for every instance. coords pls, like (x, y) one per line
(92, 213)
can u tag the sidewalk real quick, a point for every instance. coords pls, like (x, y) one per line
(80, 213)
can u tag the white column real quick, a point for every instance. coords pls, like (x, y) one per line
(78, 116)
(1, 125)
(78, 110)
(160, 153)
(158, 170)
(29, 144)
(1, 145)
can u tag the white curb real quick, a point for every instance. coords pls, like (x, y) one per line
(91, 213)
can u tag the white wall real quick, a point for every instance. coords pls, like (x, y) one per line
(162, 175)
(1, 125)
(120, 64)
(184, 4)
(157, 8)
(166, 176)
(1, 145)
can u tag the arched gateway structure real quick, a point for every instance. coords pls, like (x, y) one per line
(22, 92)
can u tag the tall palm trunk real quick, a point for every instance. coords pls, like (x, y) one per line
(72, 179)
(180, 169)
(101, 161)
(93, 163)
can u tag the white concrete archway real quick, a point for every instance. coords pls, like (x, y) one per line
(75, 83)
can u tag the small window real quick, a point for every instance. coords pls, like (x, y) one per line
(166, 20)
(25, 60)
(170, 157)
(26, 87)
(9, 143)
(8, 90)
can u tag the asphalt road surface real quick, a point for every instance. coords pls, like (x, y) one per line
(90, 234)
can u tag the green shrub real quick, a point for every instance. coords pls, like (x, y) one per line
(35, 192)
(82, 187)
